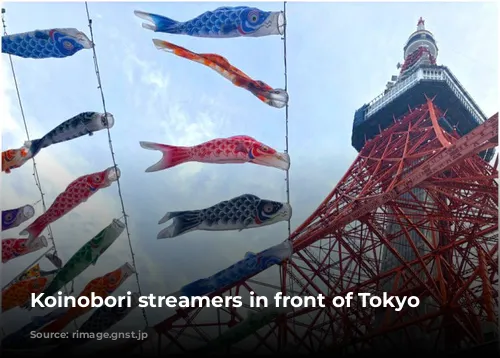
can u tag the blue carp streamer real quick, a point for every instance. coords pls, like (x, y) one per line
(14, 217)
(223, 22)
(251, 265)
(54, 43)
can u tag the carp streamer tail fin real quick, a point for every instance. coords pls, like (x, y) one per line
(160, 23)
(172, 155)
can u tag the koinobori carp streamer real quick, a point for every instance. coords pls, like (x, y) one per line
(12, 248)
(85, 123)
(14, 217)
(243, 212)
(19, 293)
(101, 286)
(223, 22)
(87, 255)
(55, 43)
(14, 158)
(76, 193)
(251, 265)
(275, 97)
(236, 149)
(32, 272)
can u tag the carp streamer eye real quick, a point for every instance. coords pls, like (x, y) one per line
(97, 179)
(9, 217)
(268, 208)
(264, 148)
(253, 16)
(67, 45)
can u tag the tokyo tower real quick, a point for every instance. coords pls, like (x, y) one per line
(416, 214)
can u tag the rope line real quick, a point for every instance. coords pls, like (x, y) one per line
(35, 170)
(286, 114)
(287, 179)
(125, 216)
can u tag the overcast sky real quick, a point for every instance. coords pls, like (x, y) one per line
(340, 56)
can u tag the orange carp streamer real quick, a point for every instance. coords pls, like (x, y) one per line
(20, 292)
(14, 158)
(277, 98)
(32, 272)
(101, 286)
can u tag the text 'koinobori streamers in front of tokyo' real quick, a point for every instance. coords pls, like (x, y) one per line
(364, 299)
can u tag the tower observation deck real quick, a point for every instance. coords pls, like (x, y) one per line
(419, 77)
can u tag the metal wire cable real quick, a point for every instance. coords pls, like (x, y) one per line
(125, 216)
(35, 170)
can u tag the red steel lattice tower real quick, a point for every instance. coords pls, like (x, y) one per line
(416, 214)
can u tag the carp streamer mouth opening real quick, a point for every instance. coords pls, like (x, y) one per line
(113, 174)
(108, 120)
(286, 211)
(281, 22)
(128, 269)
(118, 223)
(278, 160)
(278, 97)
(28, 211)
(85, 41)
(283, 161)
